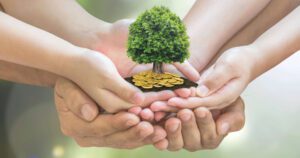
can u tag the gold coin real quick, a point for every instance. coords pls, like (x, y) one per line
(138, 83)
(157, 85)
(166, 76)
(172, 81)
(135, 80)
(178, 79)
(147, 86)
(162, 82)
(137, 77)
(174, 75)
(178, 83)
(169, 85)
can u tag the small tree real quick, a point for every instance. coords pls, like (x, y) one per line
(158, 36)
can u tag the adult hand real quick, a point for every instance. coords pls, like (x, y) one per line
(79, 118)
(201, 129)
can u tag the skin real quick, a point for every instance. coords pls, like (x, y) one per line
(237, 67)
(69, 98)
(221, 22)
(36, 71)
(249, 33)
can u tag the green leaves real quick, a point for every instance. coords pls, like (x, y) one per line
(158, 35)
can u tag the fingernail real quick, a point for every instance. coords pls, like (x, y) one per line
(87, 112)
(224, 128)
(185, 117)
(201, 114)
(130, 123)
(138, 98)
(174, 127)
(202, 91)
(143, 130)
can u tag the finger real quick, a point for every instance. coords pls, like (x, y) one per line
(135, 134)
(183, 92)
(112, 103)
(162, 106)
(124, 90)
(135, 110)
(232, 119)
(161, 145)
(206, 124)
(217, 100)
(76, 100)
(151, 97)
(158, 116)
(103, 125)
(214, 80)
(128, 139)
(190, 131)
(188, 70)
(174, 136)
(147, 115)
(158, 135)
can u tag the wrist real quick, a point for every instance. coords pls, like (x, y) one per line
(200, 56)
(98, 36)
(71, 63)
(252, 58)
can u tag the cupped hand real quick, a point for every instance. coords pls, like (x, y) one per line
(223, 82)
(202, 129)
(113, 45)
(81, 119)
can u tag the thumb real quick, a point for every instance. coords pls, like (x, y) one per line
(76, 100)
(188, 70)
(213, 79)
(125, 90)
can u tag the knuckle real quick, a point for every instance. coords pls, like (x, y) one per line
(211, 142)
(108, 76)
(174, 148)
(210, 138)
(192, 148)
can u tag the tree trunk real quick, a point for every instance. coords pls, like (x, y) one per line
(158, 67)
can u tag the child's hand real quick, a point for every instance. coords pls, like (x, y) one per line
(97, 76)
(223, 82)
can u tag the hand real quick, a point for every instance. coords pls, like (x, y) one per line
(201, 129)
(79, 118)
(97, 76)
(223, 82)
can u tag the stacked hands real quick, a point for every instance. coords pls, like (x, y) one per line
(88, 64)
(107, 111)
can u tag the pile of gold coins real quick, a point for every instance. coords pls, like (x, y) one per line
(149, 80)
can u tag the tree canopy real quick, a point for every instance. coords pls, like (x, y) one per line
(158, 35)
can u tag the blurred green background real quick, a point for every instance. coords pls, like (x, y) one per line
(30, 129)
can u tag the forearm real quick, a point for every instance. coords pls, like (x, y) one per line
(211, 23)
(26, 75)
(66, 19)
(278, 43)
(26, 45)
